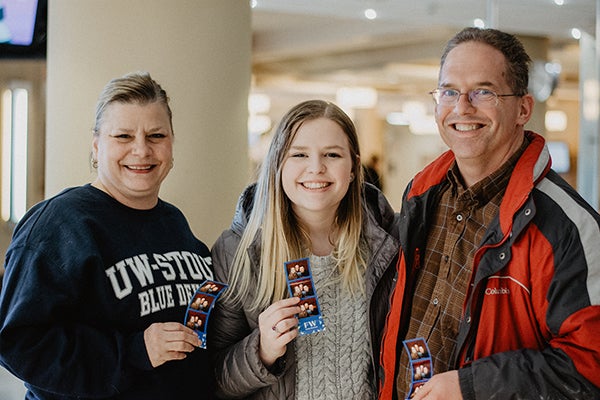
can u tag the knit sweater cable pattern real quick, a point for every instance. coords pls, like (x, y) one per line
(334, 364)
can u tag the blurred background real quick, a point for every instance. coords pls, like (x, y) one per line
(379, 59)
(233, 67)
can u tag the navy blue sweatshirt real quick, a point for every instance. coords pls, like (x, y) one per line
(85, 276)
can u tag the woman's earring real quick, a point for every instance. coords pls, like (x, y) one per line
(94, 164)
(351, 176)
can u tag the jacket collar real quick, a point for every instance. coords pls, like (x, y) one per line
(532, 167)
(243, 209)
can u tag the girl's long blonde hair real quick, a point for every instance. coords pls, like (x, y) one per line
(282, 237)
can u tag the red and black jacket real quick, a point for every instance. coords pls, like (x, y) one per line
(532, 312)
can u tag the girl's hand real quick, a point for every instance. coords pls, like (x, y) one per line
(278, 326)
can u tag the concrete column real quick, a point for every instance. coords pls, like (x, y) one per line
(588, 153)
(199, 50)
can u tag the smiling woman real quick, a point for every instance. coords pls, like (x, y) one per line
(133, 152)
(316, 175)
(310, 201)
(133, 140)
(111, 262)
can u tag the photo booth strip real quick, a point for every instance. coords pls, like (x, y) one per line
(200, 306)
(421, 365)
(300, 284)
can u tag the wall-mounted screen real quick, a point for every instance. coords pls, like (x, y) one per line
(17, 21)
(23, 28)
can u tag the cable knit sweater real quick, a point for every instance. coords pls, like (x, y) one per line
(334, 364)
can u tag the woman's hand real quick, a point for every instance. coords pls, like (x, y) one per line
(169, 341)
(278, 326)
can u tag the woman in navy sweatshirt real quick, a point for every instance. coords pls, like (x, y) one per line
(98, 277)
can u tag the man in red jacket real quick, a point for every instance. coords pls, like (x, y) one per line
(499, 269)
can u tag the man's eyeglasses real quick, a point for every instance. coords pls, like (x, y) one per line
(477, 97)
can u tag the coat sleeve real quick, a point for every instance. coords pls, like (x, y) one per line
(239, 370)
(525, 374)
(44, 339)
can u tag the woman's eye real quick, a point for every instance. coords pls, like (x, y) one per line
(122, 136)
(157, 136)
(298, 155)
(333, 155)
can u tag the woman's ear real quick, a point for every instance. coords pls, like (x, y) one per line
(94, 155)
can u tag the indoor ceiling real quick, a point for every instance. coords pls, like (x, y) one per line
(317, 45)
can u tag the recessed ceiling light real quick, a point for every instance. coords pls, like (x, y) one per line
(370, 13)
(478, 23)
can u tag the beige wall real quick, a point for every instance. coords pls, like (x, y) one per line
(199, 50)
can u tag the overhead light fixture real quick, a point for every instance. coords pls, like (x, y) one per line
(479, 23)
(559, 2)
(576, 33)
(356, 97)
(414, 109)
(259, 103)
(397, 118)
(414, 115)
(258, 124)
(424, 126)
(555, 120)
(370, 13)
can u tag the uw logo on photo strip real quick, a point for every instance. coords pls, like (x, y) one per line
(300, 284)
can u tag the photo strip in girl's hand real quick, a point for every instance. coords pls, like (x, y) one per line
(200, 307)
(421, 365)
(300, 284)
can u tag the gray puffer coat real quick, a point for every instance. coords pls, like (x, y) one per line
(234, 333)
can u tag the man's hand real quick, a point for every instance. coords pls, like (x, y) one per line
(442, 386)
